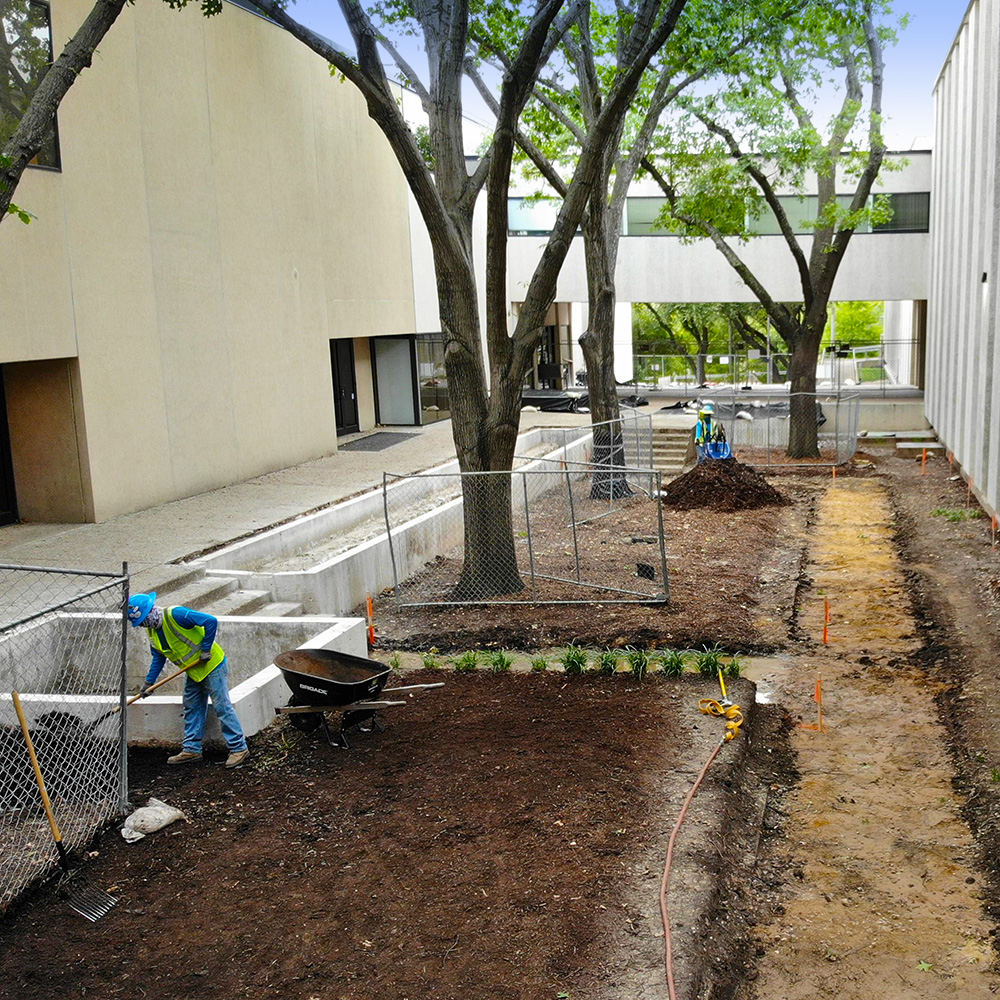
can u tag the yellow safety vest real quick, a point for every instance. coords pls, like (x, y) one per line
(183, 646)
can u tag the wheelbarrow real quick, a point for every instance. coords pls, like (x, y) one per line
(325, 680)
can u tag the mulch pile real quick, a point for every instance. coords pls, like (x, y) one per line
(722, 484)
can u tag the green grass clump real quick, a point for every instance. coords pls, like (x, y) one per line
(672, 662)
(467, 662)
(394, 661)
(573, 659)
(734, 668)
(539, 664)
(431, 659)
(638, 662)
(957, 513)
(607, 662)
(500, 661)
(708, 660)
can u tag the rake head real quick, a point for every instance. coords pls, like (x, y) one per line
(85, 899)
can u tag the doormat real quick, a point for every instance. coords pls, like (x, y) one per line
(376, 442)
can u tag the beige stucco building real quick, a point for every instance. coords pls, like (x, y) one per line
(226, 225)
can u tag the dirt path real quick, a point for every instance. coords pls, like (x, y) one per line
(884, 899)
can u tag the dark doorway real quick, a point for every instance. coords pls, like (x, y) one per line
(8, 499)
(345, 386)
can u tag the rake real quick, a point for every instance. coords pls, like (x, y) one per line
(82, 897)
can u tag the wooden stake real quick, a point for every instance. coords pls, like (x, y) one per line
(371, 624)
(923, 463)
(835, 472)
(818, 698)
(994, 530)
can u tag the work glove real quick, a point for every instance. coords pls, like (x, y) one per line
(143, 688)
(206, 655)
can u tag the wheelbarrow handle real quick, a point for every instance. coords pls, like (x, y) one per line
(53, 825)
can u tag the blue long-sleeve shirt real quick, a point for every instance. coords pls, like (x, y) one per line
(186, 618)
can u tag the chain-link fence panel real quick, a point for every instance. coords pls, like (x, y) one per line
(626, 443)
(62, 648)
(553, 531)
(760, 430)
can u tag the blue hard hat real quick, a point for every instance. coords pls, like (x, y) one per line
(139, 605)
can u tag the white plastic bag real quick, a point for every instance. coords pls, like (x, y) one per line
(153, 816)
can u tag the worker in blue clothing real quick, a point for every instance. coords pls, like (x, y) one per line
(187, 639)
(704, 430)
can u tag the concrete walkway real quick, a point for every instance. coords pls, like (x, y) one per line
(171, 531)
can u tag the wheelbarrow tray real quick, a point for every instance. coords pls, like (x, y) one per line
(326, 677)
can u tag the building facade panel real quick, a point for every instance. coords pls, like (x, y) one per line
(963, 391)
(225, 208)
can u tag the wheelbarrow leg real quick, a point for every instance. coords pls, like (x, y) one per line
(338, 739)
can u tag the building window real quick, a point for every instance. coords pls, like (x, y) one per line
(25, 56)
(911, 213)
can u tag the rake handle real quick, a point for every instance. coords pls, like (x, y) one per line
(38, 776)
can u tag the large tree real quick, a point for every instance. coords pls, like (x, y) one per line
(567, 103)
(485, 393)
(30, 94)
(759, 136)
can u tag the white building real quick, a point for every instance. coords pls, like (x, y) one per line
(963, 356)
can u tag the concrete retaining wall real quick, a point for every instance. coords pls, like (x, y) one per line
(158, 719)
(338, 585)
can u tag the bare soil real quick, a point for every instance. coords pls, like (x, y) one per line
(505, 836)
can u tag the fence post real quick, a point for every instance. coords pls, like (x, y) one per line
(663, 547)
(572, 520)
(388, 532)
(123, 804)
(531, 551)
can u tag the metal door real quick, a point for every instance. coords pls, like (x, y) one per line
(8, 499)
(345, 387)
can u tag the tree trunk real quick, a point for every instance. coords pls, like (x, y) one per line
(803, 439)
(485, 431)
(598, 343)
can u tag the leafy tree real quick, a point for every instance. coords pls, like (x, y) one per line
(757, 136)
(485, 393)
(568, 100)
(29, 96)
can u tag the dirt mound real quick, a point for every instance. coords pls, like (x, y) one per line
(722, 484)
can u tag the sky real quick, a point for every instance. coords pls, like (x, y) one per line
(911, 67)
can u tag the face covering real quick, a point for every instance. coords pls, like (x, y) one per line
(154, 619)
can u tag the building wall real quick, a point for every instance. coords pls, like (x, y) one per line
(963, 361)
(224, 209)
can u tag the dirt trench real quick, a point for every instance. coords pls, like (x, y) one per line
(882, 894)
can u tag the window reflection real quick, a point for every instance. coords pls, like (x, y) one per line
(25, 56)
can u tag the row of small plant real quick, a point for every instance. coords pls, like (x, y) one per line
(708, 661)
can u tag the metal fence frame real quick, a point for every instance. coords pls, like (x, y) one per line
(87, 764)
(567, 470)
(842, 412)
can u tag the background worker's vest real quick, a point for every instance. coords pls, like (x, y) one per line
(184, 646)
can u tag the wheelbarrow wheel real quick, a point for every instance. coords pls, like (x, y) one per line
(304, 722)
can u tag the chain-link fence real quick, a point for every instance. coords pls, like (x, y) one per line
(625, 443)
(759, 430)
(554, 531)
(62, 648)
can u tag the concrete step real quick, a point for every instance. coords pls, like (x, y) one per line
(916, 448)
(279, 609)
(238, 602)
(924, 435)
(199, 593)
(164, 580)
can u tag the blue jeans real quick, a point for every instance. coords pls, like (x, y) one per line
(196, 695)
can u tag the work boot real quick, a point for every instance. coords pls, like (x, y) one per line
(237, 758)
(184, 757)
